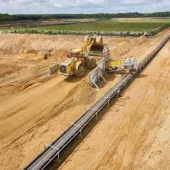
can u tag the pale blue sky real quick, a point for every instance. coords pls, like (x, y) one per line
(81, 6)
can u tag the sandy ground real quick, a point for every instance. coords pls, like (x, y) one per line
(134, 133)
(36, 108)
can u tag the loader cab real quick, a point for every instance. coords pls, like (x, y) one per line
(77, 53)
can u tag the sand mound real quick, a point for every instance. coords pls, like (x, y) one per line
(59, 54)
(142, 39)
(84, 94)
(134, 42)
(114, 53)
(35, 55)
(123, 47)
(113, 41)
(8, 69)
(137, 41)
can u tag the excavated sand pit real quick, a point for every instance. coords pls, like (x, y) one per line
(36, 108)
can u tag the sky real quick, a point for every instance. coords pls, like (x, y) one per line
(82, 6)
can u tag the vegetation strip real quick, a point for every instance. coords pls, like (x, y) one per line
(106, 33)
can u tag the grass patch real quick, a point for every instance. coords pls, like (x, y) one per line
(116, 27)
(107, 25)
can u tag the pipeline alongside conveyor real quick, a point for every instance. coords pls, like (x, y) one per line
(51, 152)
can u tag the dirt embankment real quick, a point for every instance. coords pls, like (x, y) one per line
(120, 49)
(19, 44)
(25, 59)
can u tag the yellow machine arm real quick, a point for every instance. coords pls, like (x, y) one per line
(87, 45)
(93, 43)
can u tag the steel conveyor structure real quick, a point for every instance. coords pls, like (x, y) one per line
(54, 150)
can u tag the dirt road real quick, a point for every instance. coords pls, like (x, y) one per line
(136, 137)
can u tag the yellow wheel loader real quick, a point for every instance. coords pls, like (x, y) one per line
(80, 59)
(85, 57)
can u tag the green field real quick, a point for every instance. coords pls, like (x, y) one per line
(106, 25)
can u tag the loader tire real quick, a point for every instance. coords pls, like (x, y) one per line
(88, 64)
(79, 70)
(91, 63)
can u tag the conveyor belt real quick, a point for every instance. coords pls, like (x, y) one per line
(41, 161)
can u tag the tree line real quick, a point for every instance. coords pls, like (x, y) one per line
(35, 17)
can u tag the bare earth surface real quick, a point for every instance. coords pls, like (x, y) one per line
(35, 108)
(134, 134)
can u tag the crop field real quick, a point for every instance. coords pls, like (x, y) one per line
(106, 25)
(153, 20)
